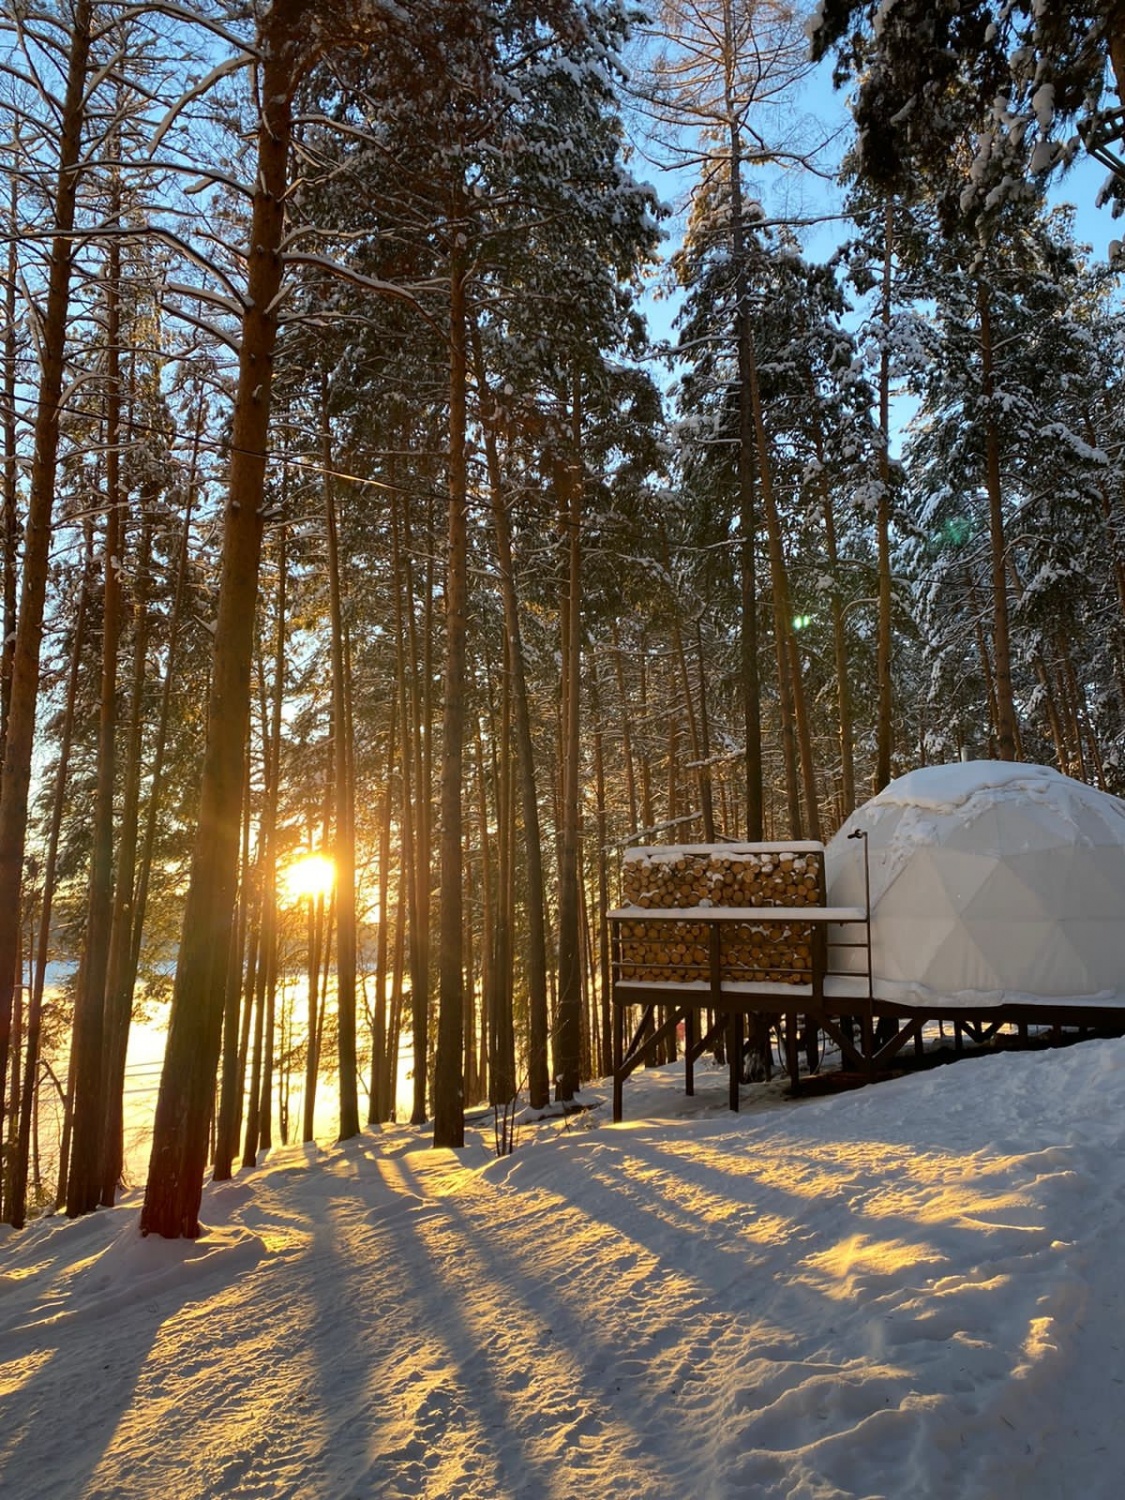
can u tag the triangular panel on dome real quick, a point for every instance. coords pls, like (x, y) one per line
(962, 873)
(959, 963)
(904, 949)
(1079, 883)
(1031, 827)
(976, 830)
(1030, 957)
(918, 886)
(1013, 893)
(1100, 949)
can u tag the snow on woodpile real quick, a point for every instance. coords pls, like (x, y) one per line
(678, 877)
(721, 875)
(991, 883)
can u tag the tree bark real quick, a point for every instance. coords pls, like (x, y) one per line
(180, 1135)
(538, 1075)
(449, 1111)
(231, 1080)
(884, 706)
(345, 807)
(839, 638)
(17, 1204)
(568, 1040)
(16, 777)
(379, 1095)
(788, 668)
(84, 1186)
(748, 634)
(1001, 635)
(119, 974)
(9, 515)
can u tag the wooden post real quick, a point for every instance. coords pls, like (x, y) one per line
(734, 1047)
(792, 1061)
(689, 1051)
(618, 1027)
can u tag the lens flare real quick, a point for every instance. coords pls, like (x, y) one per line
(311, 876)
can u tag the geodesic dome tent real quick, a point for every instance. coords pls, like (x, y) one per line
(991, 883)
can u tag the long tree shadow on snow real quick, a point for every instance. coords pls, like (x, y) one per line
(73, 1352)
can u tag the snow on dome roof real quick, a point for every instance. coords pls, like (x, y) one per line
(944, 788)
(991, 882)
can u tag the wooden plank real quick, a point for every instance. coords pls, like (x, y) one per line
(734, 851)
(631, 991)
(758, 915)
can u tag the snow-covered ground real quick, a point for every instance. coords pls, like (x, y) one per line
(911, 1291)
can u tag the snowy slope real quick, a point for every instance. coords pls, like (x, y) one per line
(913, 1291)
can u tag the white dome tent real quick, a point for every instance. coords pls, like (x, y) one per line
(992, 885)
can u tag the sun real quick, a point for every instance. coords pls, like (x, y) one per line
(311, 876)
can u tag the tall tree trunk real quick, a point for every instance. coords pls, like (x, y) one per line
(449, 1104)
(788, 668)
(84, 1187)
(568, 1039)
(119, 978)
(496, 994)
(647, 814)
(9, 514)
(345, 805)
(503, 1082)
(1001, 637)
(17, 1204)
(394, 1031)
(271, 757)
(839, 638)
(269, 1023)
(252, 1134)
(804, 741)
(156, 781)
(605, 1057)
(16, 776)
(8, 1145)
(884, 707)
(234, 1050)
(315, 930)
(626, 729)
(180, 1134)
(1116, 561)
(987, 676)
(748, 635)
(702, 769)
(538, 1076)
(414, 711)
(378, 1100)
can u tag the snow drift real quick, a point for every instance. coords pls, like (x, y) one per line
(991, 883)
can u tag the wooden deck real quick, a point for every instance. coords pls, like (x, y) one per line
(712, 1003)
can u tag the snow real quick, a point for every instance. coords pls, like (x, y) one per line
(670, 853)
(909, 1291)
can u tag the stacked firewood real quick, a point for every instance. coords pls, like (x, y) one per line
(677, 878)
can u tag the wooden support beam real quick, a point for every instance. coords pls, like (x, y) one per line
(689, 1043)
(734, 1049)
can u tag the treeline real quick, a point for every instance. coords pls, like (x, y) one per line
(346, 508)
